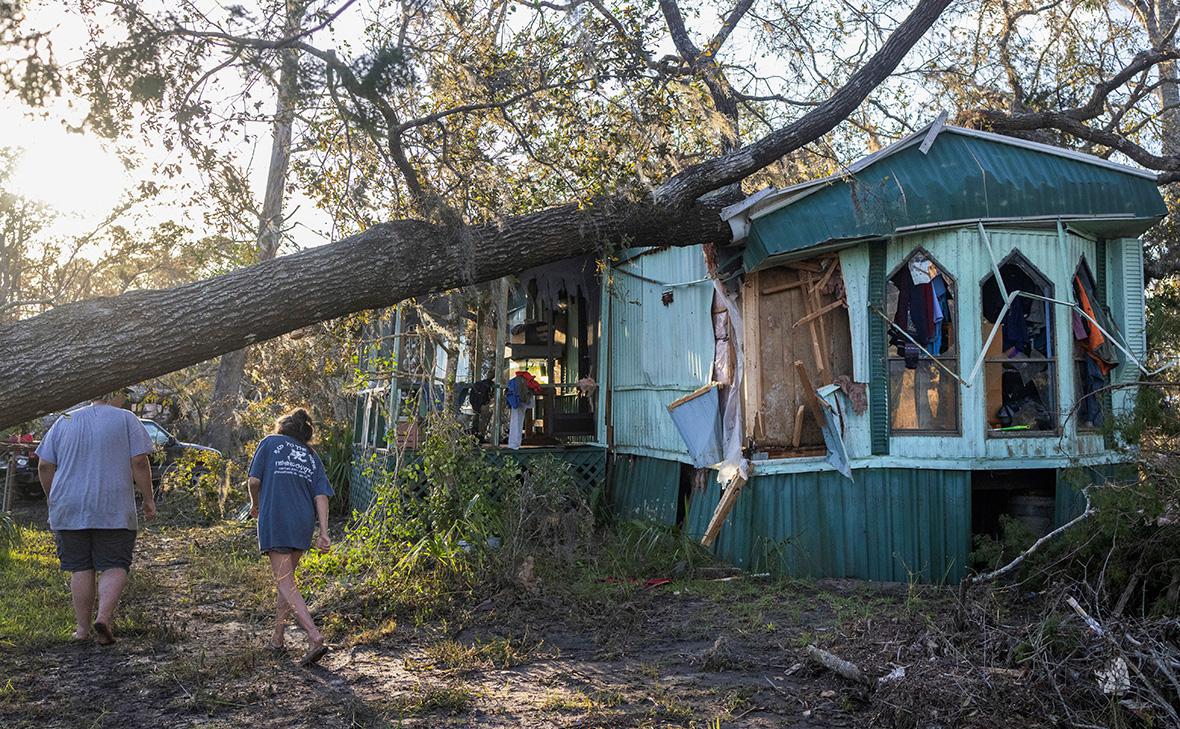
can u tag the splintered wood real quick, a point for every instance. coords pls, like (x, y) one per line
(724, 506)
(794, 312)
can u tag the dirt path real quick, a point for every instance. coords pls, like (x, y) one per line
(692, 653)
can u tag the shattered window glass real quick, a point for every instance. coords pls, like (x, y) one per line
(1020, 362)
(923, 347)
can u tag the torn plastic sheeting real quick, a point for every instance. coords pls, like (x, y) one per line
(735, 464)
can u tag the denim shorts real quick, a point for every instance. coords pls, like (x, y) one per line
(80, 550)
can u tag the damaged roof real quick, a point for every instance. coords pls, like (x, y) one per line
(942, 176)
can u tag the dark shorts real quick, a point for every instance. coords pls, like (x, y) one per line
(281, 550)
(94, 549)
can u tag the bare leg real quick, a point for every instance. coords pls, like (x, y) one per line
(283, 568)
(283, 608)
(110, 587)
(82, 592)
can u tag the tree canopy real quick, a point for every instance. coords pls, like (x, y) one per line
(453, 142)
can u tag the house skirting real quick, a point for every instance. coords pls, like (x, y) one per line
(889, 524)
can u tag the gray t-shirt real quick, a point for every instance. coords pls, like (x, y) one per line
(92, 448)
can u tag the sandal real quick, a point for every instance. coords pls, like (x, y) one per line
(103, 634)
(313, 655)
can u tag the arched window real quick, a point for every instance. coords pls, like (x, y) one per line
(923, 347)
(1094, 355)
(1020, 362)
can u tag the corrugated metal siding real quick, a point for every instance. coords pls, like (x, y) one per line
(961, 178)
(889, 525)
(645, 488)
(1127, 309)
(657, 352)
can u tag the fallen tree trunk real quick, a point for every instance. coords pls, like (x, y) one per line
(83, 349)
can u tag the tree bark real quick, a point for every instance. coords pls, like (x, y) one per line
(78, 350)
(221, 431)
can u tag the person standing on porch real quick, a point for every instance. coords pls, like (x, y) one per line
(289, 493)
(93, 459)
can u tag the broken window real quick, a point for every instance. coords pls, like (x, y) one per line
(1020, 362)
(1094, 355)
(923, 347)
(553, 335)
(796, 312)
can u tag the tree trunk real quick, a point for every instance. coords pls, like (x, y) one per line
(1165, 13)
(81, 349)
(221, 429)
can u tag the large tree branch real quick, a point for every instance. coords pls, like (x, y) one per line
(705, 176)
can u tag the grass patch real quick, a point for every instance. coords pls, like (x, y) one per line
(453, 699)
(495, 653)
(572, 701)
(226, 557)
(581, 701)
(34, 592)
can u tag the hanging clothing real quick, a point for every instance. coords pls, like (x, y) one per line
(1014, 329)
(942, 324)
(480, 394)
(515, 427)
(1093, 380)
(1096, 345)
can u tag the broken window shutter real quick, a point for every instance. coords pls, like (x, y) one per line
(878, 376)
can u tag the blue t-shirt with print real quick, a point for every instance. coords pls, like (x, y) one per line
(292, 476)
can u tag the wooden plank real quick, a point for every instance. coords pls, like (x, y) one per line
(798, 427)
(752, 323)
(691, 396)
(810, 399)
(821, 363)
(779, 288)
(820, 312)
(832, 268)
(724, 506)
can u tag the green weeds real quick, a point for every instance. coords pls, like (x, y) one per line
(34, 593)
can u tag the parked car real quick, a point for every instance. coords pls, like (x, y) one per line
(169, 452)
(25, 480)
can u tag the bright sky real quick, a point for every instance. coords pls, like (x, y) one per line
(70, 172)
(83, 179)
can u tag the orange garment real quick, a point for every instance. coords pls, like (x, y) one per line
(1095, 339)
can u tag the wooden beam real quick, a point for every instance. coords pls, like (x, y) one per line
(779, 288)
(724, 506)
(810, 399)
(820, 312)
(798, 434)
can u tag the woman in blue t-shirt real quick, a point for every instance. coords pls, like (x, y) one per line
(289, 493)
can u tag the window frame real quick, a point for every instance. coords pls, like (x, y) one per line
(891, 356)
(1054, 386)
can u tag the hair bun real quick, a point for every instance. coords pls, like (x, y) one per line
(296, 424)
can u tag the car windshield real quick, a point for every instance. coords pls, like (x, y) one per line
(158, 435)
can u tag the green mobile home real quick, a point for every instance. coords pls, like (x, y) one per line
(969, 306)
(883, 362)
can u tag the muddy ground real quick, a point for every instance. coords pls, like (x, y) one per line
(694, 653)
